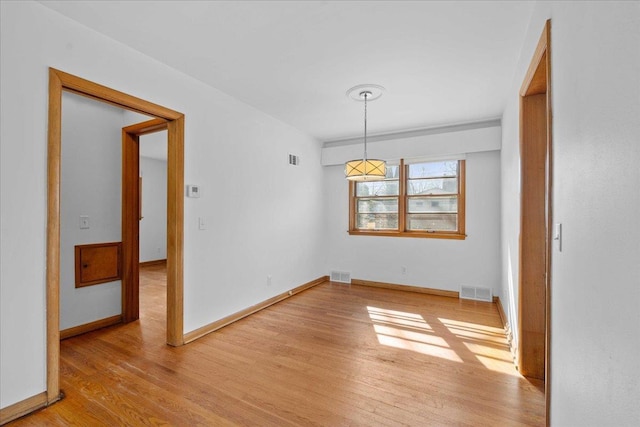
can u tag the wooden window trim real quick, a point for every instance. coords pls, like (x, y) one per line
(403, 198)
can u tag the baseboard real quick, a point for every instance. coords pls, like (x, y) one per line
(92, 326)
(23, 408)
(154, 262)
(507, 329)
(406, 288)
(218, 324)
(503, 316)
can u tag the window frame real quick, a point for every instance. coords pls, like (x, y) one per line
(403, 200)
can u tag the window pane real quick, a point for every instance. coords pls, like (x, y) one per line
(432, 204)
(377, 205)
(393, 171)
(377, 188)
(432, 222)
(377, 221)
(432, 186)
(433, 169)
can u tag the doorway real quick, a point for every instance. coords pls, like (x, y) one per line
(132, 214)
(535, 216)
(174, 121)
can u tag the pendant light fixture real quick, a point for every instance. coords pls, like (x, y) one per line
(365, 169)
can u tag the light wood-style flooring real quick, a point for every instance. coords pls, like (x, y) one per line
(335, 355)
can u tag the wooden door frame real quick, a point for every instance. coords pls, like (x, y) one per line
(131, 215)
(60, 81)
(534, 317)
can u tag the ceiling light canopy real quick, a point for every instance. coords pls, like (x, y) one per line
(365, 169)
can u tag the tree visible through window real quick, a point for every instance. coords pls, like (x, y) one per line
(416, 199)
(377, 202)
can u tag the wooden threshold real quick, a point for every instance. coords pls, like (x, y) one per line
(218, 324)
(91, 326)
(406, 288)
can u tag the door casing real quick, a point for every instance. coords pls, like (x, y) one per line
(534, 296)
(131, 199)
(60, 81)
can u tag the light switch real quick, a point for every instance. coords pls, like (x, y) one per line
(557, 235)
(84, 221)
(201, 224)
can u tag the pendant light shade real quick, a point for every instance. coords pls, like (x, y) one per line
(365, 169)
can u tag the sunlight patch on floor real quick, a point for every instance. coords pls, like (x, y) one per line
(472, 327)
(497, 360)
(401, 318)
(419, 347)
(487, 343)
(409, 331)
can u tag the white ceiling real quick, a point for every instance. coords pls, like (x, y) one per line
(442, 62)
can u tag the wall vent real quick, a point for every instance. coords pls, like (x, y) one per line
(341, 276)
(476, 293)
(294, 160)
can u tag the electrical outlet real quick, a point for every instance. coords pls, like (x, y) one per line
(269, 280)
(403, 269)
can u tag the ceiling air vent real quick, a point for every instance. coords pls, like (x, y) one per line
(294, 160)
(341, 277)
(476, 293)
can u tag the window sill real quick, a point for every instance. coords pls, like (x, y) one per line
(419, 234)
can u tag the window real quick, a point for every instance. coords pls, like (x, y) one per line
(423, 199)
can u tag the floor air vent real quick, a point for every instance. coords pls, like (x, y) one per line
(475, 293)
(340, 276)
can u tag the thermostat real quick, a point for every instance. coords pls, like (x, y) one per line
(193, 191)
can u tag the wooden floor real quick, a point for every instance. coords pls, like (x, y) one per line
(335, 355)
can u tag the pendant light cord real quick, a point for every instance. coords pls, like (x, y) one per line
(363, 169)
(366, 95)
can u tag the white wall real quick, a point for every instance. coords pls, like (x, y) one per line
(432, 263)
(153, 226)
(237, 154)
(595, 291)
(91, 185)
(152, 145)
